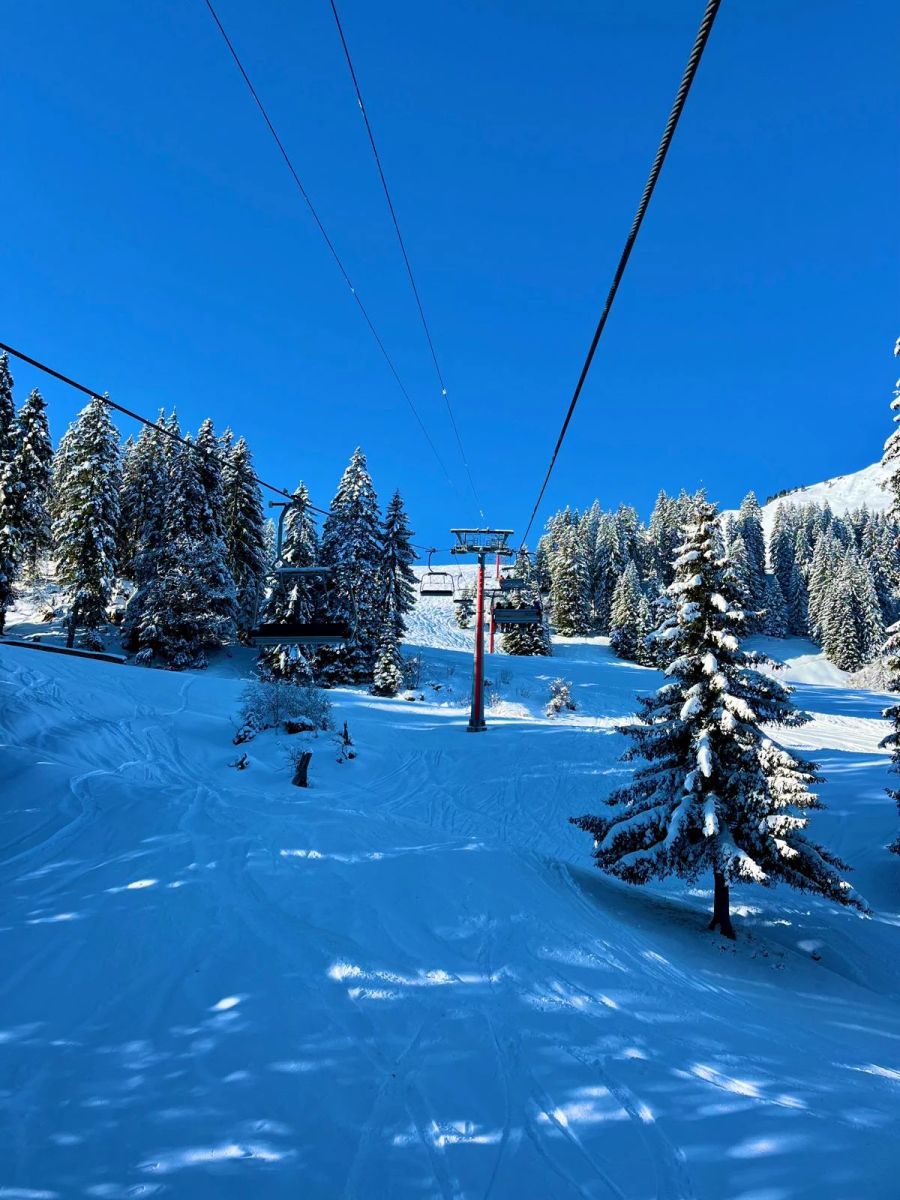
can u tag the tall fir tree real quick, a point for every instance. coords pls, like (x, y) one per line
(243, 525)
(34, 461)
(751, 530)
(210, 469)
(464, 606)
(85, 511)
(11, 495)
(776, 618)
(714, 794)
(387, 674)
(142, 500)
(351, 546)
(569, 584)
(396, 577)
(299, 597)
(7, 411)
(185, 603)
(625, 633)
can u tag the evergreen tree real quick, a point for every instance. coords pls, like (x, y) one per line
(244, 530)
(892, 714)
(851, 623)
(776, 609)
(85, 510)
(797, 603)
(890, 458)
(387, 677)
(625, 617)
(299, 598)
(751, 529)
(351, 545)
(185, 601)
(34, 459)
(782, 547)
(714, 794)
(646, 652)
(11, 535)
(142, 500)
(464, 607)
(210, 470)
(569, 586)
(7, 411)
(664, 535)
(396, 578)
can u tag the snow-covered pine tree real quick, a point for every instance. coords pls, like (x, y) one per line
(646, 651)
(210, 470)
(244, 531)
(464, 607)
(387, 675)
(891, 462)
(664, 535)
(396, 578)
(823, 569)
(7, 411)
(186, 604)
(568, 589)
(776, 610)
(351, 545)
(714, 793)
(751, 528)
(625, 616)
(34, 459)
(782, 545)
(142, 500)
(299, 598)
(85, 511)
(851, 622)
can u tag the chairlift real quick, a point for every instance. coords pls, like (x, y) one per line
(507, 615)
(511, 583)
(290, 632)
(436, 583)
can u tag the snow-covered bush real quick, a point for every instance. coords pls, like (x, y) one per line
(274, 704)
(560, 698)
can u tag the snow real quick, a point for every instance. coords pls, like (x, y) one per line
(409, 980)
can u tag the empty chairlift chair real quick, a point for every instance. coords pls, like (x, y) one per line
(317, 631)
(505, 614)
(436, 583)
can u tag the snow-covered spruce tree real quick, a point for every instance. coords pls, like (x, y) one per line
(142, 499)
(387, 676)
(782, 545)
(11, 535)
(298, 598)
(244, 531)
(464, 608)
(210, 470)
(646, 651)
(569, 584)
(187, 603)
(396, 578)
(625, 632)
(85, 511)
(714, 793)
(34, 459)
(851, 622)
(7, 411)
(351, 545)
(749, 524)
(776, 620)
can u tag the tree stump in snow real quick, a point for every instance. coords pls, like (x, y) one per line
(301, 769)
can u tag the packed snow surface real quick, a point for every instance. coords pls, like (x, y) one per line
(409, 981)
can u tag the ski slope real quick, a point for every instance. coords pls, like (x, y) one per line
(409, 981)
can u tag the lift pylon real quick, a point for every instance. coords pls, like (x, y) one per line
(480, 542)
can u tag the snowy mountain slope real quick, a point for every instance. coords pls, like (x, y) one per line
(409, 981)
(843, 494)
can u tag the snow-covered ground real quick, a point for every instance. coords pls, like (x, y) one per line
(410, 981)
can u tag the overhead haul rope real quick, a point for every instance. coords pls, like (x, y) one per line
(681, 95)
(329, 243)
(403, 251)
(164, 429)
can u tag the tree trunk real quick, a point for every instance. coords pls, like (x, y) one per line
(721, 918)
(73, 625)
(301, 769)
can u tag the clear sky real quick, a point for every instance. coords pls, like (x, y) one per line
(153, 244)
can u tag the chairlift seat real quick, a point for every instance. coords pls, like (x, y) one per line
(436, 583)
(511, 583)
(295, 633)
(527, 615)
(284, 571)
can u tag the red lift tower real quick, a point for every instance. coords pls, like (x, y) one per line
(481, 543)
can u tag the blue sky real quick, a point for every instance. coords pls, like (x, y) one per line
(154, 245)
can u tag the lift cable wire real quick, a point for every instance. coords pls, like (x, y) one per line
(329, 243)
(680, 98)
(164, 429)
(403, 251)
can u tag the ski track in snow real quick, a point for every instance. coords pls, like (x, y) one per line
(409, 981)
